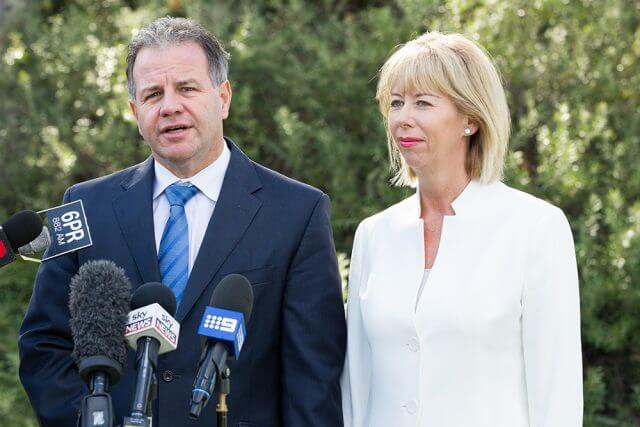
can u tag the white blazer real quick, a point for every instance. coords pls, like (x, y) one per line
(495, 338)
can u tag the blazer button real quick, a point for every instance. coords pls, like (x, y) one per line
(411, 407)
(167, 376)
(414, 344)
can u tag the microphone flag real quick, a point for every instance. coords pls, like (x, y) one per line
(154, 321)
(68, 228)
(6, 251)
(224, 326)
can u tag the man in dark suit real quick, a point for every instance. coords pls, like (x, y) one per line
(238, 217)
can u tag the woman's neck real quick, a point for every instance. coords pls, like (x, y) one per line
(439, 190)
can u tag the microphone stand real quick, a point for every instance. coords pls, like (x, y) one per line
(225, 388)
(207, 378)
(97, 408)
(147, 362)
(146, 421)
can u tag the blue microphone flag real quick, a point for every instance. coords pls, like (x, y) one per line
(224, 326)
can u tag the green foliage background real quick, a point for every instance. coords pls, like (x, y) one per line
(304, 78)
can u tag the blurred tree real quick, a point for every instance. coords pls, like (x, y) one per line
(304, 77)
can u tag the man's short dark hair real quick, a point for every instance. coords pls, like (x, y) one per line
(170, 31)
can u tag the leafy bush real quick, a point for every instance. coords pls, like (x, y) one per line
(304, 77)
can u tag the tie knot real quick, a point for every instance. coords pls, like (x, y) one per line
(180, 193)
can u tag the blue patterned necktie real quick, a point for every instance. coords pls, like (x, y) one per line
(173, 256)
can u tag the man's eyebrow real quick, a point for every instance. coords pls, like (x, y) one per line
(154, 87)
(188, 82)
(150, 88)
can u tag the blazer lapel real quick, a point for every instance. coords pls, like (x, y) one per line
(408, 263)
(134, 211)
(234, 211)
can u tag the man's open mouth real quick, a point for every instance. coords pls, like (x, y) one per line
(175, 129)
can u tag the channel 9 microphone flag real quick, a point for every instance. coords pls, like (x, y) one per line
(68, 229)
(223, 327)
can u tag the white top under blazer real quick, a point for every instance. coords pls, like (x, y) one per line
(494, 340)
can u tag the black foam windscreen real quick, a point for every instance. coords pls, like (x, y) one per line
(154, 292)
(22, 228)
(234, 293)
(99, 305)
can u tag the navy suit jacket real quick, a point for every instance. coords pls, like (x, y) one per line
(273, 230)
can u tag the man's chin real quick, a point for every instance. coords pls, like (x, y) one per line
(173, 159)
(174, 151)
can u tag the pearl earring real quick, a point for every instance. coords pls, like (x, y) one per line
(467, 131)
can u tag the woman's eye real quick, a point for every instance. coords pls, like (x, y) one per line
(396, 103)
(422, 103)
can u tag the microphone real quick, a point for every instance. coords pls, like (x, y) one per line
(16, 232)
(223, 325)
(98, 303)
(41, 243)
(151, 330)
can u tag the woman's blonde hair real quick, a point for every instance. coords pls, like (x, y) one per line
(460, 69)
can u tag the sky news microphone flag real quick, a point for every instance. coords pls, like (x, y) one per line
(151, 330)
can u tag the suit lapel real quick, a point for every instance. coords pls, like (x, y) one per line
(234, 211)
(134, 212)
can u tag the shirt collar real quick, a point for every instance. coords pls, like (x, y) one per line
(466, 201)
(208, 180)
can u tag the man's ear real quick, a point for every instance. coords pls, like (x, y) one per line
(132, 107)
(225, 98)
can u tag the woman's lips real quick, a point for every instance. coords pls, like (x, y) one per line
(409, 142)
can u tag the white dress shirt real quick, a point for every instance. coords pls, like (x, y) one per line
(494, 340)
(198, 209)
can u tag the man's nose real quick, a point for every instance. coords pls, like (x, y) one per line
(171, 103)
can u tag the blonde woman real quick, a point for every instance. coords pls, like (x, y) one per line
(463, 302)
